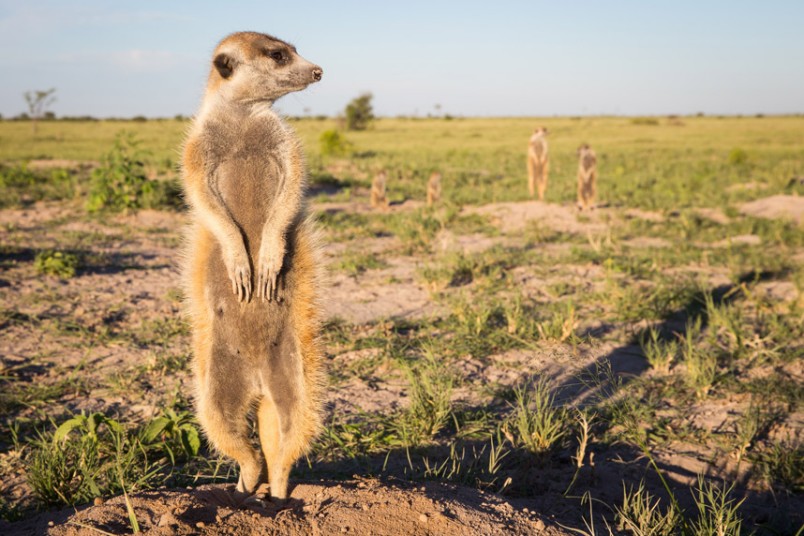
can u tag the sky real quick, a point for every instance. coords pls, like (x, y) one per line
(466, 58)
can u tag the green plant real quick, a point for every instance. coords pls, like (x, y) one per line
(120, 183)
(738, 157)
(359, 112)
(333, 143)
(59, 263)
(430, 407)
(536, 423)
(92, 455)
(717, 513)
(177, 432)
(659, 353)
(560, 327)
(641, 514)
(779, 464)
(701, 363)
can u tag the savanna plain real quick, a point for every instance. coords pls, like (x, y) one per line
(496, 364)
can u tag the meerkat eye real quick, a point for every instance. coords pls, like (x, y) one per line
(277, 55)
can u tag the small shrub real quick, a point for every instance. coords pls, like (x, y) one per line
(58, 263)
(120, 183)
(333, 143)
(738, 157)
(651, 121)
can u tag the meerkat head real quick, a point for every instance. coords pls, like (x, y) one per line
(541, 130)
(251, 67)
(584, 147)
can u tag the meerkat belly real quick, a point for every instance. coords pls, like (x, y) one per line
(247, 188)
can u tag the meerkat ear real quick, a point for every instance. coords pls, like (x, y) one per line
(225, 64)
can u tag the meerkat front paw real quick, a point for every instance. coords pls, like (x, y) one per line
(269, 264)
(239, 270)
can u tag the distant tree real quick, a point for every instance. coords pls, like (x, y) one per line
(359, 112)
(38, 101)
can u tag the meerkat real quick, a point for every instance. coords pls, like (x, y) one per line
(538, 163)
(587, 177)
(434, 189)
(252, 271)
(378, 189)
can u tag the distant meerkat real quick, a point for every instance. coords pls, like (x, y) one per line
(252, 268)
(587, 177)
(538, 162)
(434, 189)
(378, 190)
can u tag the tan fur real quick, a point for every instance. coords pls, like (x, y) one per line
(587, 177)
(252, 270)
(378, 190)
(538, 163)
(434, 189)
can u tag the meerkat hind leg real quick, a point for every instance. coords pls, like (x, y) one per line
(223, 414)
(280, 412)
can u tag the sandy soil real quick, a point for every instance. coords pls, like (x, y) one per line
(776, 206)
(362, 508)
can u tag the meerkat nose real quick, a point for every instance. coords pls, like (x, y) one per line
(317, 74)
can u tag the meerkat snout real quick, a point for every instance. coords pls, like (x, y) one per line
(317, 74)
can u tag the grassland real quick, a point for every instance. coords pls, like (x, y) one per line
(647, 355)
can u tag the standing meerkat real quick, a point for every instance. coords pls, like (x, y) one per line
(587, 177)
(252, 271)
(538, 162)
(378, 190)
(434, 189)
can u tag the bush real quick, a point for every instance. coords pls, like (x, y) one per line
(333, 143)
(738, 157)
(650, 121)
(359, 112)
(120, 183)
(58, 263)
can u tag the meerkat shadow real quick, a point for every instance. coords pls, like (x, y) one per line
(397, 203)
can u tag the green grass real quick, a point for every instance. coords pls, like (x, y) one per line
(658, 166)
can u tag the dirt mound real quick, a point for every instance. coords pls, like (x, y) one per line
(776, 206)
(515, 216)
(366, 507)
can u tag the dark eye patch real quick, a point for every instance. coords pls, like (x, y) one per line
(278, 55)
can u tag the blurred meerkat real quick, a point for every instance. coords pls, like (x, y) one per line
(587, 177)
(252, 268)
(378, 190)
(434, 189)
(538, 162)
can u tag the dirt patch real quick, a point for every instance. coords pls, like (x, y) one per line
(776, 206)
(365, 507)
(739, 240)
(514, 217)
(61, 164)
(392, 292)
